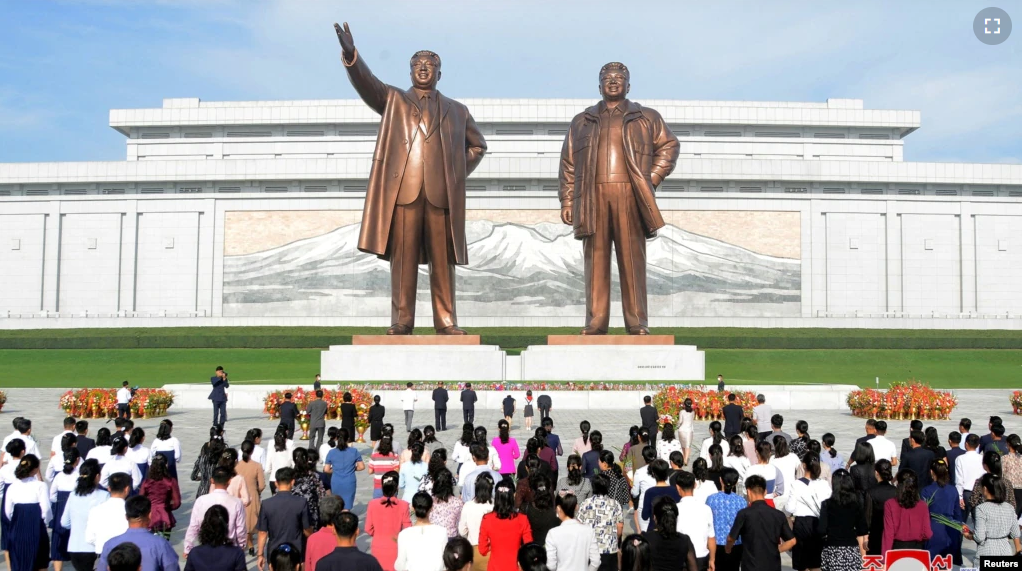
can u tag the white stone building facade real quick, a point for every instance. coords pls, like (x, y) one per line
(245, 213)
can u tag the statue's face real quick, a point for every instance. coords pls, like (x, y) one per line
(425, 72)
(614, 85)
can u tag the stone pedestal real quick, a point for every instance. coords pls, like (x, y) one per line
(413, 358)
(613, 358)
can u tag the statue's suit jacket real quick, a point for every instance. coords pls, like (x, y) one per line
(463, 149)
(650, 147)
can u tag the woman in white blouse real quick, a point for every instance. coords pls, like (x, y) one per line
(87, 495)
(55, 465)
(27, 506)
(277, 457)
(61, 486)
(667, 443)
(736, 459)
(716, 437)
(101, 453)
(168, 446)
(138, 453)
(686, 428)
(805, 498)
(472, 516)
(120, 462)
(421, 547)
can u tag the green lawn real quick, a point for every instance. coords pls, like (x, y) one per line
(155, 367)
(508, 337)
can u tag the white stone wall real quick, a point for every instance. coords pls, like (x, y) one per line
(885, 262)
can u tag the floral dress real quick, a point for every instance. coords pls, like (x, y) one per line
(310, 487)
(447, 514)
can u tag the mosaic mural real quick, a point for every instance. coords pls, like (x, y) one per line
(522, 263)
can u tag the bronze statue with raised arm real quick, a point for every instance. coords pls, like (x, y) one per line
(415, 202)
(615, 155)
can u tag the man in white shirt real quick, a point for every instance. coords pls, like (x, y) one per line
(641, 482)
(695, 519)
(571, 546)
(23, 432)
(123, 400)
(408, 399)
(882, 447)
(108, 520)
(968, 468)
(964, 426)
(69, 428)
(761, 414)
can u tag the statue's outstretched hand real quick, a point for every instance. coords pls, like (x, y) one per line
(344, 36)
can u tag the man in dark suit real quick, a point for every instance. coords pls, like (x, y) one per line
(954, 442)
(468, 403)
(650, 419)
(733, 414)
(219, 396)
(288, 414)
(917, 458)
(84, 444)
(906, 443)
(415, 202)
(440, 399)
(545, 403)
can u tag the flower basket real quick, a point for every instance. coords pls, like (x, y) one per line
(706, 404)
(102, 403)
(903, 400)
(3, 400)
(1016, 402)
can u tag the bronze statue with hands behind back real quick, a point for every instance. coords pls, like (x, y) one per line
(415, 201)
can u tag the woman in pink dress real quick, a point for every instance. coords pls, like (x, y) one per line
(385, 518)
(507, 448)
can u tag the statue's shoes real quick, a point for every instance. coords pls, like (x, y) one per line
(451, 330)
(638, 330)
(592, 331)
(399, 329)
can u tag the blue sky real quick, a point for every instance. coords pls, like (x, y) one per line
(63, 65)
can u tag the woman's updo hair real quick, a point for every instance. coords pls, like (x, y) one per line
(532, 557)
(884, 470)
(71, 457)
(457, 554)
(28, 464)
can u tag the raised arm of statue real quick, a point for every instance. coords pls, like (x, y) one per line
(370, 89)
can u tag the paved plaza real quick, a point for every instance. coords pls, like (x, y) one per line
(192, 428)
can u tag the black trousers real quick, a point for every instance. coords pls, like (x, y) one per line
(470, 414)
(728, 561)
(83, 561)
(544, 413)
(440, 417)
(123, 411)
(608, 562)
(219, 412)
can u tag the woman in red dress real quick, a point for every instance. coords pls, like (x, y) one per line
(385, 518)
(503, 530)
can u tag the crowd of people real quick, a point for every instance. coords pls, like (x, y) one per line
(749, 492)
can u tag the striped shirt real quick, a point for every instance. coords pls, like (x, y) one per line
(380, 465)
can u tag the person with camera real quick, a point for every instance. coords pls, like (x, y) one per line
(219, 396)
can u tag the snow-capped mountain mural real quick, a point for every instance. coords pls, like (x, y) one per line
(515, 269)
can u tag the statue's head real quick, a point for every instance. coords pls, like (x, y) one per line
(614, 83)
(425, 69)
